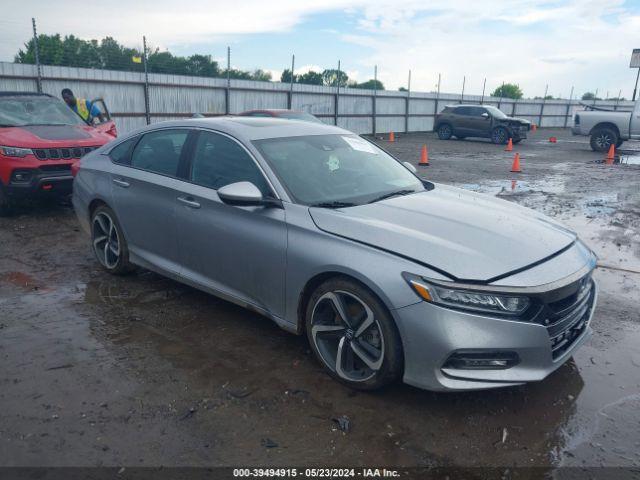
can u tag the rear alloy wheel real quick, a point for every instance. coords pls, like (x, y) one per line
(352, 334)
(499, 135)
(445, 131)
(109, 244)
(602, 138)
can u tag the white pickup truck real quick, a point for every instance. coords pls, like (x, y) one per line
(607, 127)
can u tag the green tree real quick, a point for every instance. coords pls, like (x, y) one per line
(261, 75)
(403, 89)
(590, 96)
(311, 78)
(332, 77)
(508, 90)
(370, 84)
(286, 76)
(107, 53)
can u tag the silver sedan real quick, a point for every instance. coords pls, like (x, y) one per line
(390, 277)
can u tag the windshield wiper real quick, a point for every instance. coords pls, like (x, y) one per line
(333, 204)
(395, 193)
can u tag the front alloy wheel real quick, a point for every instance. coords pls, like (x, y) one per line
(602, 139)
(108, 243)
(499, 135)
(353, 336)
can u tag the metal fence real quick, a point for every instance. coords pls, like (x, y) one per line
(134, 98)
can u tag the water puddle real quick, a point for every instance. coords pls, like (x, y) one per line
(515, 187)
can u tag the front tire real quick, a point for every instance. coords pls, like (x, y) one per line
(445, 131)
(353, 335)
(602, 138)
(499, 136)
(108, 242)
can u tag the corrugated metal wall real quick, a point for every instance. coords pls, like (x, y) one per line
(175, 96)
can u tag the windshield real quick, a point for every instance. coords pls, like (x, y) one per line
(336, 170)
(23, 111)
(495, 113)
(307, 117)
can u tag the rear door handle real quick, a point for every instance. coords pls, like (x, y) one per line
(189, 202)
(121, 183)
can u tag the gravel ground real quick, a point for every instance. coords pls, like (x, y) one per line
(142, 371)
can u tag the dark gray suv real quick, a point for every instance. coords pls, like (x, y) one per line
(479, 121)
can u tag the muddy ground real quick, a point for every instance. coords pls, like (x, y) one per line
(143, 371)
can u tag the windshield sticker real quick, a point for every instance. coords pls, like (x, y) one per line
(333, 163)
(360, 145)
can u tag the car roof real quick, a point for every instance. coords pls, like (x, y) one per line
(272, 110)
(455, 105)
(252, 128)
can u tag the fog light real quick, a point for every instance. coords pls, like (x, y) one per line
(482, 360)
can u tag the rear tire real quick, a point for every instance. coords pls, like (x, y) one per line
(353, 335)
(516, 140)
(499, 136)
(602, 138)
(108, 242)
(445, 131)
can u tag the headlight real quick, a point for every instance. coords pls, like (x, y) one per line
(16, 151)
(468, 299)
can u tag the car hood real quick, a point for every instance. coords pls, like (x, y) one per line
(522, 121)
(44, 136)
(466, 235)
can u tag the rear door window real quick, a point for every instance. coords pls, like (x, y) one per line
(219, 161)
(476, 111)
(463, 111)
(159, 152)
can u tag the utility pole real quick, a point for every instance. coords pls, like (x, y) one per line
(406, 105)
(147, 114)
(435, 109)
(293, 64)
(37, 52)
(337, 97)
(464, 80)
(566, 115)
(227, 92)
(375, 96)
(635, 89)
(544, 100)
(484, 84)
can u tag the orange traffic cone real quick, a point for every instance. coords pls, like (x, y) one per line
(392, 137)
(534, 128)
(611, 155)
(515, 168)
(424, 157)
(509, 146)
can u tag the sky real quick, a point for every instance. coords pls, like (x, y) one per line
(581, 43)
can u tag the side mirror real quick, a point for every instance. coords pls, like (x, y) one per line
(410, 166)
(485, 115)
(241, 194)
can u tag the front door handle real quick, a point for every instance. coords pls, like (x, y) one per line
(189, 202)
(121, 183)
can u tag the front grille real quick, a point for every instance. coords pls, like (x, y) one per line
(56, 168)
(64, 153)
(567, 318)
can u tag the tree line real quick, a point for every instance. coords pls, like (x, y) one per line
(109, 54)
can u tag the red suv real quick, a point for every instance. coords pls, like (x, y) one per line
(40, 138)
